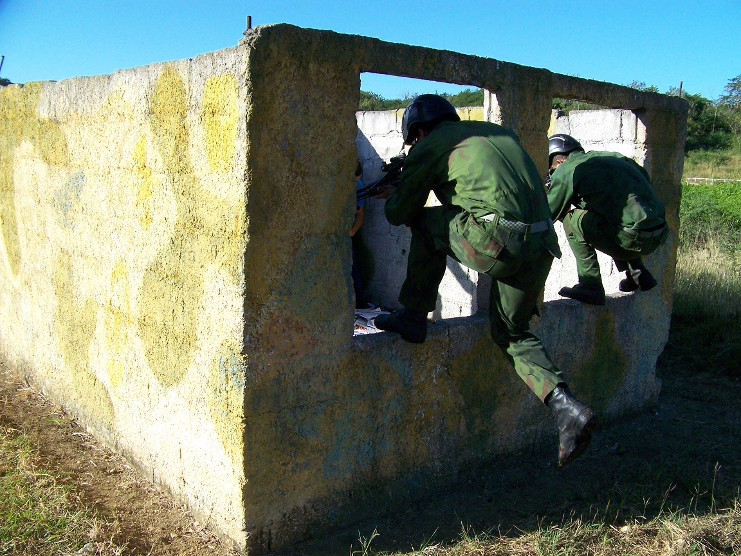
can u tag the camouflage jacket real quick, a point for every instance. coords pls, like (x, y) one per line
(478, 166)
(481, 170)
(609, 184)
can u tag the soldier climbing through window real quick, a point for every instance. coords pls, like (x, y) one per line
(494, 219)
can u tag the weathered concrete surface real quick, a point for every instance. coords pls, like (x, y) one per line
(176, 272)
(123, 239)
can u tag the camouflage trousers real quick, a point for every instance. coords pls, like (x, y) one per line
(518, 277)
(589, 232)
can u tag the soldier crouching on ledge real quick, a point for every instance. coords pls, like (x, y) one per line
(606, 204)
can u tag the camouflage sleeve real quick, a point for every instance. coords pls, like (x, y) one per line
(560, 193)
(411, 194)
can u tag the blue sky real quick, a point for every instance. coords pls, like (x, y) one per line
(660, 43)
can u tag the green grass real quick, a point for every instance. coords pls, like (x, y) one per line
(710, 216)
(39, 514)
(713, 164)
(706, 317)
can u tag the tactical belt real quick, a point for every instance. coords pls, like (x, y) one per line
(648, 233)
(519, 227)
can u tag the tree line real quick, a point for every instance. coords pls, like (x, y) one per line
(711, 124)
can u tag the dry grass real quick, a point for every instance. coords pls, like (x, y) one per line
(708, 281)
(671, 533)
(713, 164)
(39, 513)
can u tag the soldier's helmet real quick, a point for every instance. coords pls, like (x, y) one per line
(560, 143)
(424, 109)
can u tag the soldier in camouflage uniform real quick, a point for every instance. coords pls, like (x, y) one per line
(494, 219)
(606, 203)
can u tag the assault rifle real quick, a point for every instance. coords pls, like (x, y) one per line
(393, 170)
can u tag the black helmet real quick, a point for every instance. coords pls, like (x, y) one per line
(424, 109)
(560, 143)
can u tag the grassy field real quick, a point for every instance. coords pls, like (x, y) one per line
(667, 483)
(713, 164)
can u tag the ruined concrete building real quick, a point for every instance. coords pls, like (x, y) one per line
(175, 272)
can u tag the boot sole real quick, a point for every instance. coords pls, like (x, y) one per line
(582, 441)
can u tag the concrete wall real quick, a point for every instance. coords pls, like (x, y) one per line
(122, 256)
(176, 273)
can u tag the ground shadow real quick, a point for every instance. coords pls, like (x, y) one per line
(680, 454)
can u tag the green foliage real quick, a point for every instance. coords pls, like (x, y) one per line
(711, 213)
(641, 86)
(707, 125)
(467, 97)
(4, 82)
(567, 105)
(731, 107)
(374, 101)
(732, 96)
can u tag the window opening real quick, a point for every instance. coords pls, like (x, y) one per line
(380, 250)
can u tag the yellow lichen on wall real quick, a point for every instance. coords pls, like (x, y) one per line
(605, 368)
(489, 389)
(118, 324)
(471, 113)
(207, 230)
(145, 185)
(226, 397)
(74, 325)
(219, 120)
(19, 122)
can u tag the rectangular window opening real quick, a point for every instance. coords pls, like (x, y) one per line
(380, 250)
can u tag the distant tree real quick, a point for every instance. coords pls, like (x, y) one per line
(730, 106)
(566, 105)
(707, 125)
(732, 96)
(467, 97)
(641, 86)
(4, 82)
(374, 101)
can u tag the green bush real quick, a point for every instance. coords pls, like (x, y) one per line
(711, 212)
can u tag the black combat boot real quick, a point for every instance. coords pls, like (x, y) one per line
(412, 325)
(594, 295)
(637, 278)
(575, 423)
